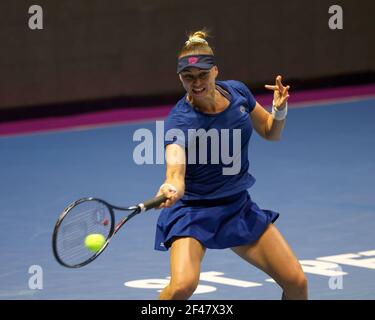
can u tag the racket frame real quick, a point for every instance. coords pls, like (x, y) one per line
(113, 228)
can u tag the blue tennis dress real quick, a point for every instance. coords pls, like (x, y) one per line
(216, 208)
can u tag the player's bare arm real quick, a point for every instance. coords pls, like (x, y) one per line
(263, 121)
(174, 184)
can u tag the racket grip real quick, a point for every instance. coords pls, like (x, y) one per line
(152, 203)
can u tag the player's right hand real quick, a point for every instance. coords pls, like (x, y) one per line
(171, 193)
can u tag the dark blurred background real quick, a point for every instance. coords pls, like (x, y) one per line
(100, 54)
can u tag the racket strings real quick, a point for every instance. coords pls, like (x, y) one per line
(89, 217)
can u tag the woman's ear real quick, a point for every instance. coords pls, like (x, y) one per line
(216, 71)
(182, 82)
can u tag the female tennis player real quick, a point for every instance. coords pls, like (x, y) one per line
(206, 207)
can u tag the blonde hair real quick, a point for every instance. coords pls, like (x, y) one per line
(196, 44)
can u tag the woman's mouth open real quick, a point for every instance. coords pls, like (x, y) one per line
(198, 91)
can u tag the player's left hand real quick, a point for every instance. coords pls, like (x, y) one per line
(280, 93)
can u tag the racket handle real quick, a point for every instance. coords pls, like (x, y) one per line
(152, 203)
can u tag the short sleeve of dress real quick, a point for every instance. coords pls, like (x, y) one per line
(176, 128)
(245, 92)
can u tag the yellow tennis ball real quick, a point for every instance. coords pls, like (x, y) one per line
(94, 242)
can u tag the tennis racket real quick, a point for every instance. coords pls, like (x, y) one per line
(85, 217)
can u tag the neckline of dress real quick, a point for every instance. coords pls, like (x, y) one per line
(224, 92)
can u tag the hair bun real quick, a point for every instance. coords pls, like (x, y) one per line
(197, 37)
(196, 44)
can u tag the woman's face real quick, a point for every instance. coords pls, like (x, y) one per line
(199, 83)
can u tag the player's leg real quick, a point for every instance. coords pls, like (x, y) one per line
(186, 255)
(272, 254)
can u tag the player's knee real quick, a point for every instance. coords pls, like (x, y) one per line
(183, 289)
(296, 281)
(301, 282)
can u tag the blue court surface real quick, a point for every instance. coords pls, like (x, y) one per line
(320, 177)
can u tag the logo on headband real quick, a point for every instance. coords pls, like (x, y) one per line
(193, 60)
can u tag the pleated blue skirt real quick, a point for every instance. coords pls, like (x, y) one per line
(217, 224)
